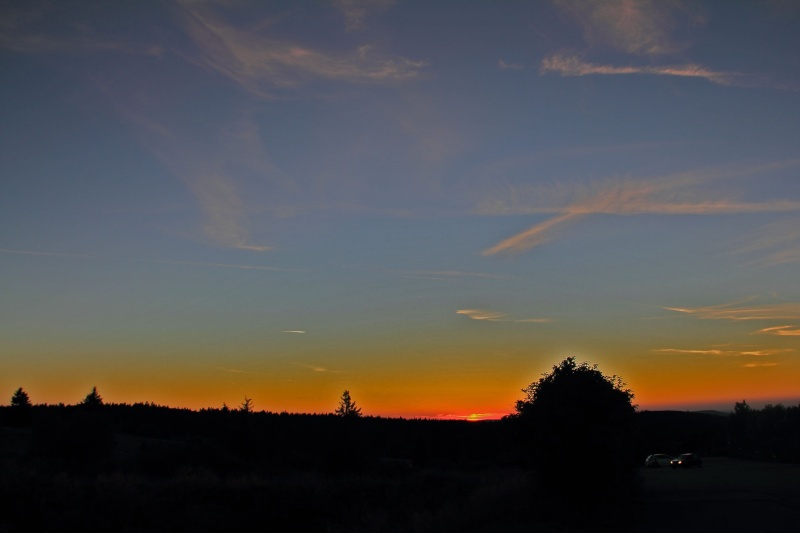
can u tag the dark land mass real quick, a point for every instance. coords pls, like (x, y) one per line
(150, 468)
(729, 495)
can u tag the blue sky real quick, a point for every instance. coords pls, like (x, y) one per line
(429, 204)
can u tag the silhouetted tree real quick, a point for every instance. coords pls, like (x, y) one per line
(20, 414)
(771, 433)
(347, 407)
(742, 409)
(579, 425)
(246, 406)
(93, 400)
(20, 399)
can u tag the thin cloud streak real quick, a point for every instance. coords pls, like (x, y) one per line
(777, 244)
(737, 312)
(494, 316)
(532, 237)
(156, 261)
(448, 274)
(296, 331)
(569, 66)
(502, 65)
(479, 314)
(652, 196)
(233, 370)
(321, 369)
(678, 194)
(787, 331)
(723, 353)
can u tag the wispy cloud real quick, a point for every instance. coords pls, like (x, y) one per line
(39, 27)
(224, 209)
(480, 314)
(211, 163)
(208, 264)
(723, 353)
(742, 311)
(221, 265)
(643, 27)
(295, 331)
(788, 331)
(47, 254)
(567, 65)
(730, 352)
(233, 370)
(774, 244)
(355, 11)
(316, 368)
(678, 194)
(533, 236)
(260, 64)
(494, 316)
(446, 275)
(502, 65)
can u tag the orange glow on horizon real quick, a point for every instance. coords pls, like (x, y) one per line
(456, 382)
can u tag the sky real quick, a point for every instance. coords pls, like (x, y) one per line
(429, 204)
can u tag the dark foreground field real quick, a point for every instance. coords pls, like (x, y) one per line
(147, 468)
(725, 495)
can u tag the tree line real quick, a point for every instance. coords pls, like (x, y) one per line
(576, 428)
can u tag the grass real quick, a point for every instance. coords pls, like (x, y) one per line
(199, 499)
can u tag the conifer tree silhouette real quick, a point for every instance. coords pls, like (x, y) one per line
(347, 407)
(93, 400)
(20, 399)
(247, 405)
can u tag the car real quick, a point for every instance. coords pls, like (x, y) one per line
(657, 460)
(686, 460)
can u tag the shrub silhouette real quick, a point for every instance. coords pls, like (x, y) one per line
(578, 425)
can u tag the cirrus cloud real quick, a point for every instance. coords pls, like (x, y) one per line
(788, 331)
(723, 353)
(260, 64)
(567, 65)
(643, 27)
(494, 316)
(685, 193)
(740, 311)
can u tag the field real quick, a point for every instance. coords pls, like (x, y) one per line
(725, 495)
(146, 468)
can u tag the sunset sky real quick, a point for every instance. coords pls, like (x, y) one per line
(427, 203)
